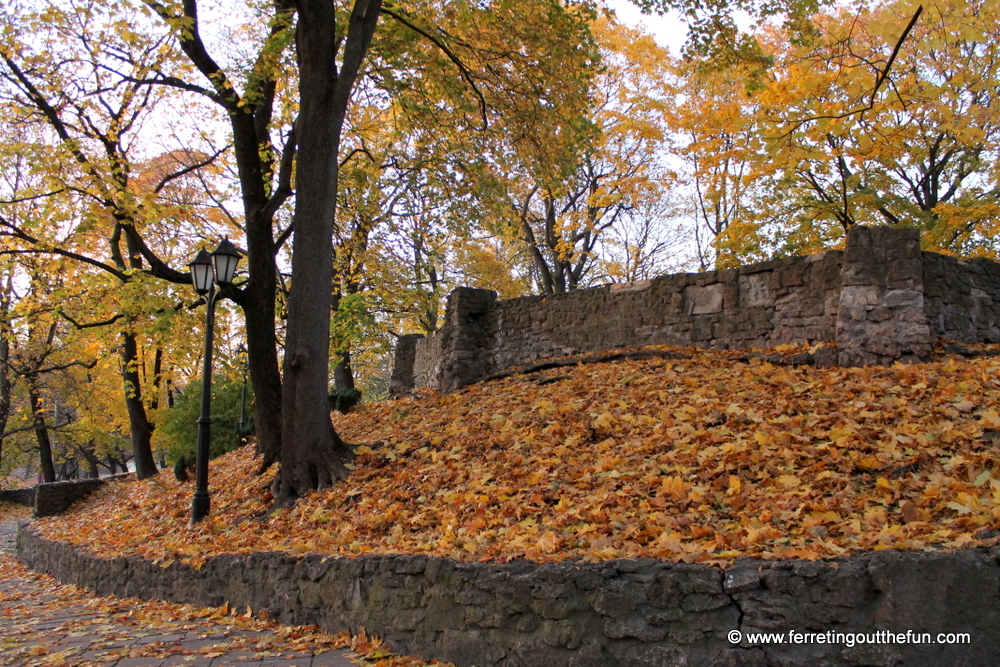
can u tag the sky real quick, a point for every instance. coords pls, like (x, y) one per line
(669, 31)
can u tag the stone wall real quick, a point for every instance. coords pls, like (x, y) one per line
(880, 300)
(49, 499)
(621, 613)
(19, 496)
(962, 299)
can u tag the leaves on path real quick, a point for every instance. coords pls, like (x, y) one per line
(46, 624)
(702, 460)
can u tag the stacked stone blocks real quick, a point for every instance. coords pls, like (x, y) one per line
(880, 300)
(619, 613)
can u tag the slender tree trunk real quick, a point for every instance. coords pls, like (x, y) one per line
(41, 433)
(312, 455)
(154, 403)
(5, 383)
(262, 363)
(343, 373)
(141, 429)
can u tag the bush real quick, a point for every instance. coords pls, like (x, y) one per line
(177, 432)
(343, 400)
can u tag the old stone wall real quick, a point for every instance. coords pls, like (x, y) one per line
(962, 299)
(19, 496)
(621, 613)
(56, 497)
(880, 300)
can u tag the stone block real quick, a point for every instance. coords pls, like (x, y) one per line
(755, 289)
(896, 298)
(699, 300)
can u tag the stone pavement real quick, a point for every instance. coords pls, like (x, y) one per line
(44, 624)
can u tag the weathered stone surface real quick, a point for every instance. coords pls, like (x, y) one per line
(882, 300)
(402, 378)
(881, 315)
(54, 498)
(703, 299)
(611, 614)
(19, 496)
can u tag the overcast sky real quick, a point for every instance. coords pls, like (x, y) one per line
(668, 30)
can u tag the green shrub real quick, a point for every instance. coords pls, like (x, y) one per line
(177, 433)
(343, 400)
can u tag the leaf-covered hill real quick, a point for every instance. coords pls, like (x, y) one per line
(703, 459)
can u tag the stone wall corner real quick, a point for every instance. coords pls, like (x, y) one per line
(880, 317)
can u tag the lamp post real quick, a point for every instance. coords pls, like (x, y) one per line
(207, 271)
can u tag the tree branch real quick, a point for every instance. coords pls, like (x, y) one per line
(878, 82)
(187, 170)
(283, 189)
(18, 233)
(462, 69)
(194, 48)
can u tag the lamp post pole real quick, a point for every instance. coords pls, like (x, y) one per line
(207, 271)
(201, 502)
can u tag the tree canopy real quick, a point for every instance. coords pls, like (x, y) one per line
(367, 156)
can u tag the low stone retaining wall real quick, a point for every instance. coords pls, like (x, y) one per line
(53, 498)
(634, 613)
(19, 496)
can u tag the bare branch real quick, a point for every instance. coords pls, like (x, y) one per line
(878, 82)
(20, 200)
(187, 170)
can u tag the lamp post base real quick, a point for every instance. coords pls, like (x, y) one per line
(200, 504)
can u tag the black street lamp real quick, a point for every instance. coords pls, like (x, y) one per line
(207, 271)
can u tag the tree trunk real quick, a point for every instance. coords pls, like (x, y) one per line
(262, 363)
(343, 373)
(312, 455)
(154, 404)
(141, 429)
(91, 462)
(41, 433)
(5, 383)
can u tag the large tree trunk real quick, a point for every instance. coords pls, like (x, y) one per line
(142, 430)
(41, 433)
(312, 455)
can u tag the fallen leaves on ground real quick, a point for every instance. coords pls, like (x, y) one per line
(14, 511)
(699, 460)
(46, 624)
